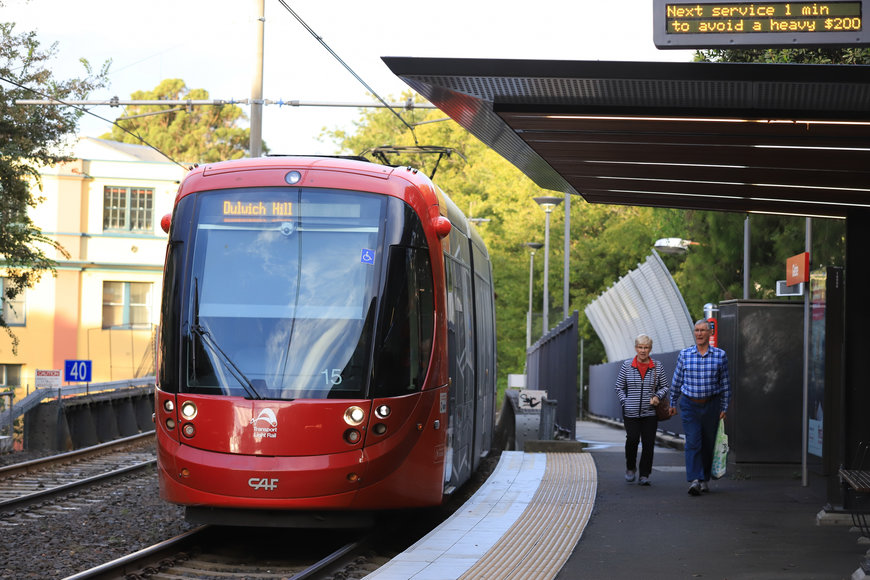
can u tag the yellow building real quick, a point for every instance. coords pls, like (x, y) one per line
(105, 209)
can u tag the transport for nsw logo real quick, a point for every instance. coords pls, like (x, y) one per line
(265, 424)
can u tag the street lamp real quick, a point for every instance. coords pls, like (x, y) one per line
(535, 246)
(548, 203)
(674, 245)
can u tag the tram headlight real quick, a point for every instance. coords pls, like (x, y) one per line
(379, 428)
(352, 436)
(354, 416)
(188, 430)
(383, 411)
(188, 410)
(293, 177)
(168, 405)
(170, 424)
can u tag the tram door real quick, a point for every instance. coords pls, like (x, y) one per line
(460, 309)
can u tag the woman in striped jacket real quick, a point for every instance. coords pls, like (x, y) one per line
(640, 386)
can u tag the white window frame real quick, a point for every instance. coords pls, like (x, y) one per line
(127, 306)
(119, 215)
(14, 311)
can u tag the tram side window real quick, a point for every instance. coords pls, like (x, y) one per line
(406, 324)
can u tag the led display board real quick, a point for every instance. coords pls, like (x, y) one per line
(685, 24)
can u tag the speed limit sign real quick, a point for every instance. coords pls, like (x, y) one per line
(77, 371)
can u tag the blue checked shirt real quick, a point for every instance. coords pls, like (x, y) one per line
(699, 376)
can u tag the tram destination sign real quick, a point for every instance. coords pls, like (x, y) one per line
(684, 24)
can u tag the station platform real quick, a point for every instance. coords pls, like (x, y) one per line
(572, 515)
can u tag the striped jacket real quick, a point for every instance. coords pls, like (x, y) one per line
(634, 393)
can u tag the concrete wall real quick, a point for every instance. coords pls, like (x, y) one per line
(76, 422)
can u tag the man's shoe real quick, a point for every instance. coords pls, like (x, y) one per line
(704, 486)
(629, 475)
(643, 480)
(695, 488)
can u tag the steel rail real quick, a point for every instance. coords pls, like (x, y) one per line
(41, 463)
(141, 559)
(24, 501)
(161, 555)
(327, 561)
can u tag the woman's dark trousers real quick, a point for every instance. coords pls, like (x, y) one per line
(643, 430)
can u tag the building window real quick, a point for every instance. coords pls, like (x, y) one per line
(126, 304)
(13, 309)
(128, 209)
(10, 375)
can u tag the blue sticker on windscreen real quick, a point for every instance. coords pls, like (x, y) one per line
(367, 257)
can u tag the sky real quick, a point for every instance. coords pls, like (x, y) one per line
(211, 45)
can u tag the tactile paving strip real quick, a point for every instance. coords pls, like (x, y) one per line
(522, 523)
(542, 539)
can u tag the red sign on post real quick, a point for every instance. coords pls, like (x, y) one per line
(714, 338)
(797, 269)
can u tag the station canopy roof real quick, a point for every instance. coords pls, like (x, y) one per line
(781, 138)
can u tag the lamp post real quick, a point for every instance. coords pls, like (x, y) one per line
(547, 203)
(535, 246)
(566, 259)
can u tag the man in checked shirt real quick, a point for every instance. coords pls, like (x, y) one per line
(701, 391)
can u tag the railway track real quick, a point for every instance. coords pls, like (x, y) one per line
(36, 482)
(116, 520)
(212, 552)
(270, 553)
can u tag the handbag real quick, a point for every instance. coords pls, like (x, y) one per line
(720, 452)
(663, 409)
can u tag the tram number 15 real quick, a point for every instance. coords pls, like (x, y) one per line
(331, 376)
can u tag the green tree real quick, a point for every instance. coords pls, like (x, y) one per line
(787, 55)
(31, 137)
(196, 134)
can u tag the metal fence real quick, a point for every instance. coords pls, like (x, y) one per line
(551, 365)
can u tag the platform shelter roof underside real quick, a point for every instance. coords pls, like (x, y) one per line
(781, 138)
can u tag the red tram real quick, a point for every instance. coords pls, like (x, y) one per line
(327, 342)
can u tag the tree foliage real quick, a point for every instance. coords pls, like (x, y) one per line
(196, 134)
(31, 137)
(787, 55)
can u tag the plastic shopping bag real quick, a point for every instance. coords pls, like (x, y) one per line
(720, 451)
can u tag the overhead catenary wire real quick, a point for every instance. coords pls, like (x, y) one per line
(190, 103)
(347, 67)
(116, 102)
(83, 110)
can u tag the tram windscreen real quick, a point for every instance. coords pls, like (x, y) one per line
(283, 293)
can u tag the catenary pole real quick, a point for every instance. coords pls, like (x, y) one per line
(256, 142)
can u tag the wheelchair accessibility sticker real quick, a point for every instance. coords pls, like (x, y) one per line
(367, 257)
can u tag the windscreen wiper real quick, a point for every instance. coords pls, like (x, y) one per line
(206, 339)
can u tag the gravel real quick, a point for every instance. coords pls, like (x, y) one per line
(107, 523)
